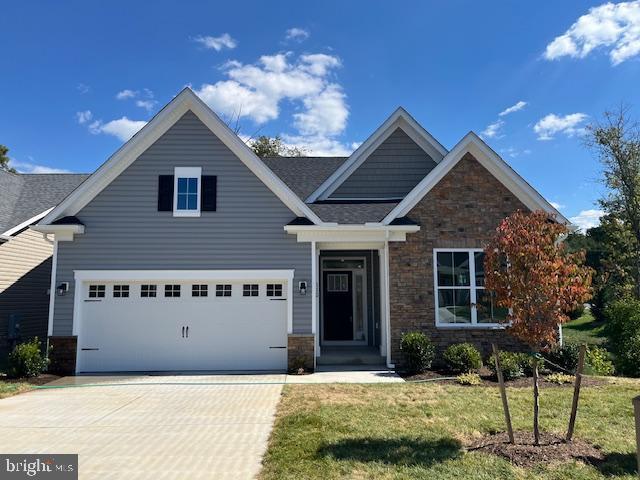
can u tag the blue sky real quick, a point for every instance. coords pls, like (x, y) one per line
(80, 77)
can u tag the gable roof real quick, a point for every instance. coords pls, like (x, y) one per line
(186, 100)
(490, 160)
(25, 198)
(398, 119)
(303, 174)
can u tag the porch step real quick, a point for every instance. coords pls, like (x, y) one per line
(350, 356)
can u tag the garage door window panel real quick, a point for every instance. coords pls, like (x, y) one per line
(148, 291)
(250, 290)
(223, 290)
(96, 291)
(199, 290)
(274, 289)
(121, 291)
(172, 291)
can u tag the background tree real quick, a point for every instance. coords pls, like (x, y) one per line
(531, 273)
(4, 160)
(265, 146)
(616, 140)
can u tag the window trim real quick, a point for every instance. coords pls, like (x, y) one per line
(186, 172)
(473, 292)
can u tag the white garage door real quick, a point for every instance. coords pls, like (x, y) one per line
(173, 324)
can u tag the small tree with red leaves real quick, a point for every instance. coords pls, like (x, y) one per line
(531, 273)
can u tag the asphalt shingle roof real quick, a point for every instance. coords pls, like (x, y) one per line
(23, 196)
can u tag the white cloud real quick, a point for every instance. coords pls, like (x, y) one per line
(126, 93)
(513, 108)
(320, 146)
(553, 124)
(28, 167)
(557, 205)
(256, 91)
(587, 219)
(217, 43)
(298, 34)
(615, 27)
(122, 128)
(493, 130)
(514, 152)
(148, 105)
(84, 117)
(82, 88)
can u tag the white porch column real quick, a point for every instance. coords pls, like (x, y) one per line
(385, 344)
(314, 297)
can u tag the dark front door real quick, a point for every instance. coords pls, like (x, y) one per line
(337, 305)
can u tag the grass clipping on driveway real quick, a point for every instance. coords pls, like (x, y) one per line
(420, 431)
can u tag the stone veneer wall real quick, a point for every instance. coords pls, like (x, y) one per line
(62, 355)
(461, 211)
(301, 352)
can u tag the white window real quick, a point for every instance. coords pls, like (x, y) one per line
(461, 299)
(274, 289)
(96, 291)
(120, 291)
(186, 191)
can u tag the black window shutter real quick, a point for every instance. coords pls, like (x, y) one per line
(209, 193)
(165, 193)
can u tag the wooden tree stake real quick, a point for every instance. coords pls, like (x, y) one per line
(576, 392)
(636, 408)
(503, 393)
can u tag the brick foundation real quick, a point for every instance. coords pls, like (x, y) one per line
(301, 352)
(461, 211)
(62, 355)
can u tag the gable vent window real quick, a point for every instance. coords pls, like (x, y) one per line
(148, 291)
(96, 291)
(172, 291)
(120, 291)
(223, 290)
(199, 290)
(250, 290)
(274, 290)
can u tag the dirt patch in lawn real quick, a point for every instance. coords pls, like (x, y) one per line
(523, 453)
(41, 379)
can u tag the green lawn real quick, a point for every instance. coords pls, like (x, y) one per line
(10, 388)
(584, 330)
(407, 431)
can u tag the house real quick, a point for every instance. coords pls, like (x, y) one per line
(25, 256)
(185, 251)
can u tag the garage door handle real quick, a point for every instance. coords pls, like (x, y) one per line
(182, 332)
(187, 332)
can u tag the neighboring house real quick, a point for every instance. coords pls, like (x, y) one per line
(185, 251)
(25, 256)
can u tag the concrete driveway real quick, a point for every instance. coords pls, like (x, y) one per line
(148, 427)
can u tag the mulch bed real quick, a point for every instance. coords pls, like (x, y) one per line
(488, 380)
(523, 453)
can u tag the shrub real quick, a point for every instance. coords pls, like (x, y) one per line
(417, 351)
(560, 378)
(526, 363)
(511, 364)
(598, 361)
(577, 312)
(622, 321)
(566, 357)
(462, 358)
(469, 379)
(27, 360)
(628, 358)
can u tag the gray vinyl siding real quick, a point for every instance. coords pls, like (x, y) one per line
(391, 171)
(124, 230)
(25, 277)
